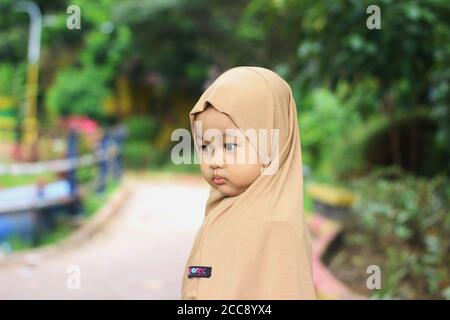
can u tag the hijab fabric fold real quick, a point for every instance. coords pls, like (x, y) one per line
(257, 243)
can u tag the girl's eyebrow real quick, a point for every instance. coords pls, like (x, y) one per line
(228, 134)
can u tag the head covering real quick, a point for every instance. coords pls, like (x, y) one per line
(255, 245)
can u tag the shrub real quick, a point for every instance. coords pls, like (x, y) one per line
(324, 120)
(12, 82)
(141, 155)
(408, 220)
(141, 128)
(78, 92)
(368, 145)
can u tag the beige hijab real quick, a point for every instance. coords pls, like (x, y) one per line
(257, 243)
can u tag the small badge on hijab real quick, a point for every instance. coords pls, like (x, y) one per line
(199, 272)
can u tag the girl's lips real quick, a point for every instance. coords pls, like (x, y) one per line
(218, 181)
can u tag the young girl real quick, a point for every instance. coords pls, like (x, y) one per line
(254, 242)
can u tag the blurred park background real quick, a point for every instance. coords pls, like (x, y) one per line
(373, 112)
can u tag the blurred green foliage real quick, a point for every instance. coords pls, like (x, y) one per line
(408, 220)
(322, 48)
(78, 92)
(139, 151)
(324, 119)
(12, 81)
(141, 155)
(142, 128)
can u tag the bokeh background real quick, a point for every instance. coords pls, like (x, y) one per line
(373, 112)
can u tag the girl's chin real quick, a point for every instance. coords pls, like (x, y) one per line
(227, 191)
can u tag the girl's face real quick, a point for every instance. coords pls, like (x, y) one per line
(229, 162)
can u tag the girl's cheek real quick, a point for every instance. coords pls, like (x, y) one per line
(241, 174)
(204, 170)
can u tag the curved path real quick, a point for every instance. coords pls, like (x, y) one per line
(139, 254)
(141, 251)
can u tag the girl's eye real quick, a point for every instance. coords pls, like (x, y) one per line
(230, 146)
(205, 147)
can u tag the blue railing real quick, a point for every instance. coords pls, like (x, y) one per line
(24, 210)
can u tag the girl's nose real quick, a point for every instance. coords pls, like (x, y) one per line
(217, 159)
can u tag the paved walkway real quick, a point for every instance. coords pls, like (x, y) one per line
(139, 254)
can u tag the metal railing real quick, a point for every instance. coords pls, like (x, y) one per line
(107, 158)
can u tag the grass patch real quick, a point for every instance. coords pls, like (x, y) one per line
(61, 232)
(93, 201)
(11, 181)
